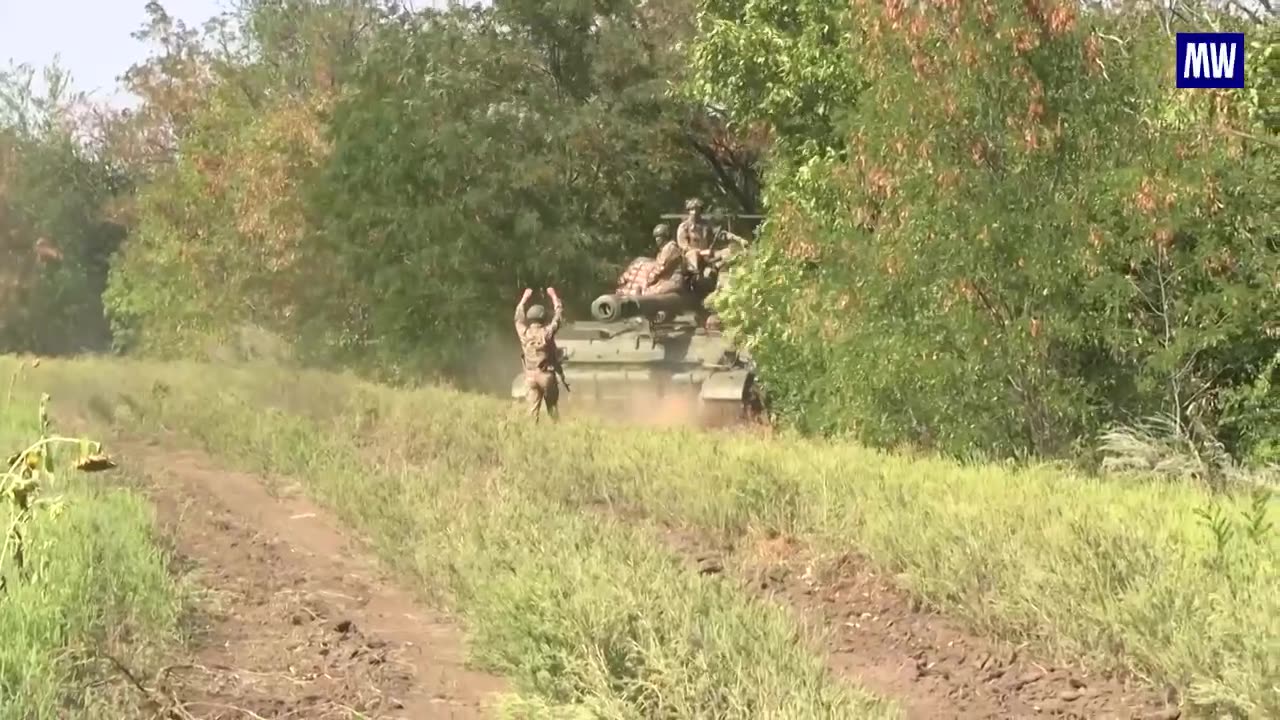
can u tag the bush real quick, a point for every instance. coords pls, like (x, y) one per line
(1014, 247)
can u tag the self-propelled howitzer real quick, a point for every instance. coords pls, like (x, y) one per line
(652, 357)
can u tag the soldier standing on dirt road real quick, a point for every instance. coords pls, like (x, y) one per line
(538, 352)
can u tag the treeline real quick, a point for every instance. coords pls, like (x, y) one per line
(377, 186)
(997, 227)
(993, 227)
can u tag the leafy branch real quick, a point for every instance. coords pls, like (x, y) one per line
(28, 473)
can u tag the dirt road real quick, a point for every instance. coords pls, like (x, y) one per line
(296, 620)
(877, 635)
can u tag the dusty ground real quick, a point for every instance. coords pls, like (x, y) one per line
(301, 624)
(875, 634)
(297, 620)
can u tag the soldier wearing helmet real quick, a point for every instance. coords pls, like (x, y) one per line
(696, 236)
(666, 274)
(538, 352)
(694, 233)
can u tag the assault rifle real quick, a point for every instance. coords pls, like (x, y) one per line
(558, 369)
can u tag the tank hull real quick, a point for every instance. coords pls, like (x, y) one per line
(699, 397)
(671, 376)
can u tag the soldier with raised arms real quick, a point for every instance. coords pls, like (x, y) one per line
(538, 352)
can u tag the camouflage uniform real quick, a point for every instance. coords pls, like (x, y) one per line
(667, 272)
(695, 235)
(646, 276)
(539, 356)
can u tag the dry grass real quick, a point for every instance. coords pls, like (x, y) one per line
(95, 584)
(1162, 579)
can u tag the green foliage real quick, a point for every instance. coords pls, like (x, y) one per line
(376, 185)
(1251, 414)
(466, 166)
(54, 237)
(789, 64)
(221, 237)
(994, 229)
(80, 575)
(1008, 252)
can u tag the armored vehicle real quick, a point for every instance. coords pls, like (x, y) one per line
(650, 355)
(656, 357)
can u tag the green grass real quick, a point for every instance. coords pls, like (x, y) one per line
(589, 616)
(1129, 575)
(97, 585)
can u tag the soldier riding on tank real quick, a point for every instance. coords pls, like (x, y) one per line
(654, 332)
(667, 274)
(696, 238)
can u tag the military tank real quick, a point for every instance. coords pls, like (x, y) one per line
(655, 357)
(659, 356)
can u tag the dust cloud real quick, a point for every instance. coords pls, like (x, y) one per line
(494, 361)
(644, 405)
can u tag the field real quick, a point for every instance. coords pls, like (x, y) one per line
(592, 571)
(93, 590)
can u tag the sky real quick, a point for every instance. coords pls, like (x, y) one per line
(93, 38)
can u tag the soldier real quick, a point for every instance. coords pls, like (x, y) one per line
(695, 237)
(693, 233)
(539, 354)
(643, 275)
(667, 272)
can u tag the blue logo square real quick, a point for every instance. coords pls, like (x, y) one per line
(1210, 60)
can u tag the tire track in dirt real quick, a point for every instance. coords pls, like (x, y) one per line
(879, 636)
(300, 622)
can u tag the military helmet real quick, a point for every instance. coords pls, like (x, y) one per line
(693, 204)
(535, 313)
(661, 231)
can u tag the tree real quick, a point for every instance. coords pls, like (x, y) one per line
(222, 237)
(479, 154)
(374, 184)
(54, 237)
(996, 258)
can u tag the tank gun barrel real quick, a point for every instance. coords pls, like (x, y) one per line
(616, 308)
